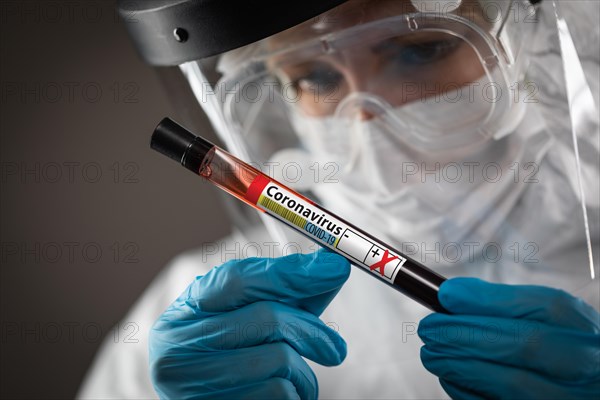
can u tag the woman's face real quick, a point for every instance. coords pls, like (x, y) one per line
(393, 63)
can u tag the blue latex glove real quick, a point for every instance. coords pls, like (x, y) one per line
(241, 330)
(517, 342)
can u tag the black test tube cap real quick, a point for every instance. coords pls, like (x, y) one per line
(176, 142)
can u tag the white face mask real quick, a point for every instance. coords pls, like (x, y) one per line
(439, 124)
(405, 194)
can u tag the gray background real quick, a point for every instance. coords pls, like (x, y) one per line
(140, 212)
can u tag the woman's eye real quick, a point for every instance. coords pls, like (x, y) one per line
(424, 53)
(318, 80)
(417, 54)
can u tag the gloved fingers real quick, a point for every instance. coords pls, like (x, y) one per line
(539, 303)
(234, 368)
(491, 380)
(556, 352)
(273, 388)
(457, 392)
(307, 281)
(270, 389)
(255, 324)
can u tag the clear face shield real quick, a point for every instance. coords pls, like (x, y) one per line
(444, 128)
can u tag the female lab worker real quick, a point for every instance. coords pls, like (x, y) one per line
(464, 133)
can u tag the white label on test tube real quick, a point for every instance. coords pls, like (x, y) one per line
(323, 227)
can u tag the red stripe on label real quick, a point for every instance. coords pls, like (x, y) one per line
(256, 187)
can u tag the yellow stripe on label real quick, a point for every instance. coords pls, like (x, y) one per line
(282, 211)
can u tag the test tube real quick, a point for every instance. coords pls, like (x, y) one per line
(265, 194)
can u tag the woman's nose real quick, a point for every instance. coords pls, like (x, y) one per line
(365, 115)
(362, 106)
(364, 98)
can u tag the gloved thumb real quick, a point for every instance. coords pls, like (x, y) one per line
(306, 281)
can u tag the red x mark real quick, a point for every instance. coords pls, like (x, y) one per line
(384, 260)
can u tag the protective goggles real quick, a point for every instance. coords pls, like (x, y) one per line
(437, 80)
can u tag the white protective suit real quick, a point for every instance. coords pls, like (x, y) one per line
(383, 347)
